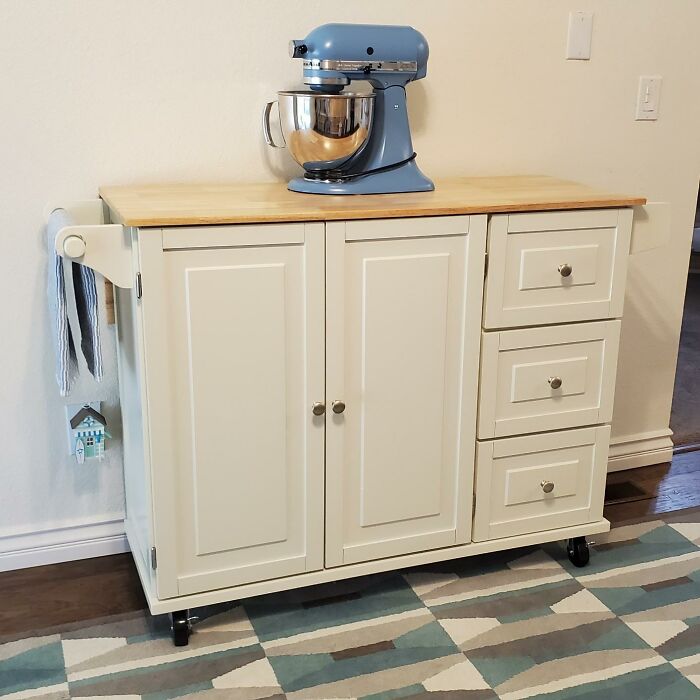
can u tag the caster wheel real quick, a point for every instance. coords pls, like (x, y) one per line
(181, 628)
(577, 549)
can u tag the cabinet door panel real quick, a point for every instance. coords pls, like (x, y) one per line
(242, 337)
(231, 353)
(403, 322)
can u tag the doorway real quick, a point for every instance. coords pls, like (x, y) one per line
(685, 412)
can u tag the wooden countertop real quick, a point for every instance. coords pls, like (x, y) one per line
(188, 204)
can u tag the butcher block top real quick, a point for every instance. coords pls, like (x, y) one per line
(188, 204)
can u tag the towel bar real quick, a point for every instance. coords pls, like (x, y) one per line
(106, 248)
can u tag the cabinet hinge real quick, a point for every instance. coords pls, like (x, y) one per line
(486, 264)
(154, 558)
(139, 288)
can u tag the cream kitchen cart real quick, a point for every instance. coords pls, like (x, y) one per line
(315, 388)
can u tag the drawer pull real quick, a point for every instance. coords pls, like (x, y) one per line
(547, 486)
(338, 406)
(555, 382)
(565, 270)
(319, 408)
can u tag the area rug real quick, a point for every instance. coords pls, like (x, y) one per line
(518, 624)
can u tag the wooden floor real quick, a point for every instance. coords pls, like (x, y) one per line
(65, 594)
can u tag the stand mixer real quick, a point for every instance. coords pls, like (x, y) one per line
(352, 143)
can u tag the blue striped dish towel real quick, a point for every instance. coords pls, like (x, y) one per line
(81, 304)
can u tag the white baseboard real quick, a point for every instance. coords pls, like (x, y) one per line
(63, 544)
(640, 450)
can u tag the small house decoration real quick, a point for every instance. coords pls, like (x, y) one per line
(89, 432)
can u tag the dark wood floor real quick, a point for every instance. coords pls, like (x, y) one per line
(662, 488)
(65, 594)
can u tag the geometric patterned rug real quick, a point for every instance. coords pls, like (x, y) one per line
(518, 624)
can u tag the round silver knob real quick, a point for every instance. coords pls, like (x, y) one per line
(565, 270)
(319, 408)
(547, 486)
(338, 406)
(74, 247)
(554, 382)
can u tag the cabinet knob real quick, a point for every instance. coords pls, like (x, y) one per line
(319, 408)
(565, 270)
(554, 382)
(338, 406)
(547, 486)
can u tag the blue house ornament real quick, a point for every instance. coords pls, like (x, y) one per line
(89, 432)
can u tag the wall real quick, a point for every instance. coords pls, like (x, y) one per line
(125, 91)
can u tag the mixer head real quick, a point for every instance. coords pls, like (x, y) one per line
(384, 55)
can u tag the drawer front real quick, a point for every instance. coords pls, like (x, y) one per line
(556, 267)
(540, 482)
(538, 379)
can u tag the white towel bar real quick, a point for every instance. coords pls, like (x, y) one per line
(106, 248)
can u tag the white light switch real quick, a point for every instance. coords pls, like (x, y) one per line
(578, 45)
(648, 97)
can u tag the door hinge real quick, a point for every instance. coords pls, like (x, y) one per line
(486, 265)
(154, 559)
(139, 286)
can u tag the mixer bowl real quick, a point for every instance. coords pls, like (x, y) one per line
(322, 131)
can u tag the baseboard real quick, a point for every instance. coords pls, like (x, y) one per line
(63, 544)
(640, 450)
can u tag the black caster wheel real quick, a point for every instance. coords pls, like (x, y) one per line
(577, 549)
(181, 627)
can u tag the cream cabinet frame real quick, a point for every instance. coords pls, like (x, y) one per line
(234, 337)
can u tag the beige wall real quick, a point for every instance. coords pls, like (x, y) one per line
(122, 91)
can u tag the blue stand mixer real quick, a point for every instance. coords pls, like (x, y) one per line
(351, 143)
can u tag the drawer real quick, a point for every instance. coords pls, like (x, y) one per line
(540, 482)
(556, 267)
(537, 379)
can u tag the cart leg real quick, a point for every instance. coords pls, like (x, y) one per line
(577, 549)
(181, 627)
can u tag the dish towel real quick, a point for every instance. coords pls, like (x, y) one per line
(82, 304)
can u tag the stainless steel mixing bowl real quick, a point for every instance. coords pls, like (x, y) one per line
(321, 131)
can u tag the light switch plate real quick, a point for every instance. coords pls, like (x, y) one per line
(578, 44)
(648, 97)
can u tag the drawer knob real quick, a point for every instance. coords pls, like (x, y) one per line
(555, 382)
(547, 486)
(319, 408)
(338, 406)
(565, 270)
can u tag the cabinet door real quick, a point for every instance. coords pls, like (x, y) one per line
(234, 327)
(403, 305)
